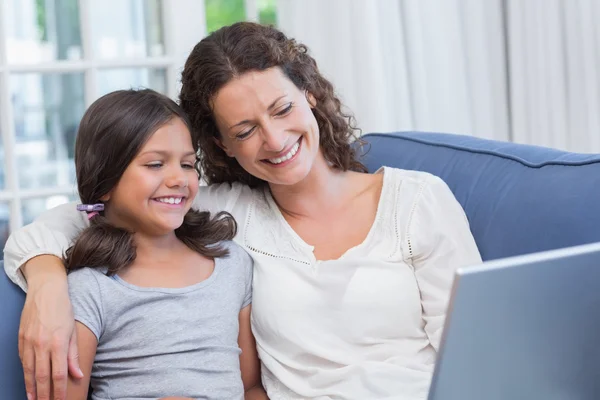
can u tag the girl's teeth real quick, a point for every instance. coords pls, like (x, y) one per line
(286, 157)
(170, 200)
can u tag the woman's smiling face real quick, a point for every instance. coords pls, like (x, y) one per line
(267, 124)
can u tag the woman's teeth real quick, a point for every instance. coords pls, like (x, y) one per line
(170, 200)
(286, 157)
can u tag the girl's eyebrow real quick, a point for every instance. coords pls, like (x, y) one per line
(166, 153)
(268, 109)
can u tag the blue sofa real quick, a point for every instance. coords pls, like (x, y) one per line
(519, 199)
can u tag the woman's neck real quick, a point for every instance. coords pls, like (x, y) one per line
(323, 188)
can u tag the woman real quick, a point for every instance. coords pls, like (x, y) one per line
(352, 270)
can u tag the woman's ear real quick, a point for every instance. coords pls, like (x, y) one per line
(311, 99)
(105, 198)
(223, 147)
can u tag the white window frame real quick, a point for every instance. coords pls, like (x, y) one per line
(184, 24)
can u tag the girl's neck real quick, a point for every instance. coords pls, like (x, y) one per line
(148, 246)
(152, 249)
(323, 188)
(166, 262)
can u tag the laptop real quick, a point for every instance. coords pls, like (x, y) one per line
(525, 327)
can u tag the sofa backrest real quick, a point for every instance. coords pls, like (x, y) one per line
(518, 198)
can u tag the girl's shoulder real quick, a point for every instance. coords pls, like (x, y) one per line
(237, 266)
(86, 274)
(85, 278)
(236, 253)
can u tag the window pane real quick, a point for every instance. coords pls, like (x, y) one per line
(127, 78)
(4, 212)
(47, 109)
(126, 29)
(42, 31)
(223, 12)
(267, 12)
(2, 163)
(31, 208)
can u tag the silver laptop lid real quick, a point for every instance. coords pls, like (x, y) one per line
(524, 327)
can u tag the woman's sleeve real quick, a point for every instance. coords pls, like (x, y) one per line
(439, 242)
(51, 233)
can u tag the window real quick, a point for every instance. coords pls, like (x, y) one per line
(58, 56)
(225, 12)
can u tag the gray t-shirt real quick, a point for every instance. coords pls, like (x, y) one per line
(158, 342)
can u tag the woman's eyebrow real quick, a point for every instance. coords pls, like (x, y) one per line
(275, 101)
(269, 108)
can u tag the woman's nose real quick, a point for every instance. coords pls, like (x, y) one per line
(273, 141)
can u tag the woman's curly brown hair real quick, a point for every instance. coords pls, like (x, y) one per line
(246, 46)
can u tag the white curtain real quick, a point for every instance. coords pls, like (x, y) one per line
(554, 53)
(501, 69)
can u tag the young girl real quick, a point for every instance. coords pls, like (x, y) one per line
(160, 294)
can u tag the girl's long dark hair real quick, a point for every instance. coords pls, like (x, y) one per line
(111, 133)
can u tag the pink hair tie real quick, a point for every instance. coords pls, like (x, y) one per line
(91, 209)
